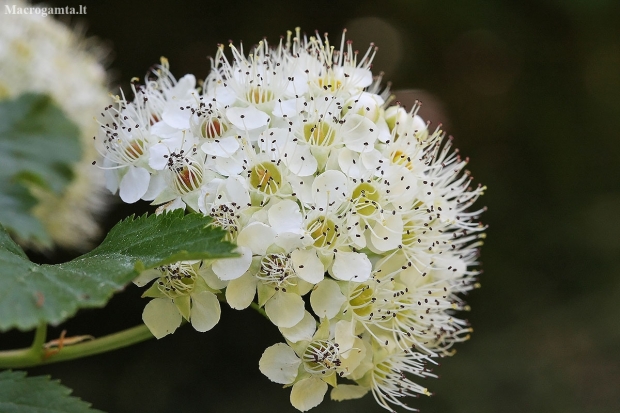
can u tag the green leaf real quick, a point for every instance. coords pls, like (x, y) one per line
(38, 146)
(31, 294)
(21, 394)
(16, 203)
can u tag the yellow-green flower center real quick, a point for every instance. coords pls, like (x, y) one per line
(226, 217)
(266, 178)
(361, 301)
(409, 235)
(177, 280)
(259, 94)
(188, 177)
(212, 129)
(329, 82)
(401, 158)
(134, 150)
(277, 271)
(320, 357)
(323, 231)
(319, 134)
(365, 197)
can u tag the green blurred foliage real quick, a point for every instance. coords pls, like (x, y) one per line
(38, 146)
(531, 92)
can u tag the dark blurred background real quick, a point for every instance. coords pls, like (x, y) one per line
(531, 92)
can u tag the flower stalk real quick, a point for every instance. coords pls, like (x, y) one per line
(37, 354)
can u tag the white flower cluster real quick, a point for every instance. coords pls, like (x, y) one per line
(40, 55)
(329, 194)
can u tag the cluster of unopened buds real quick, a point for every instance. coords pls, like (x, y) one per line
(332, 197)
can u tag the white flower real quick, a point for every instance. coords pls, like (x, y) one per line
(178, 292)
(125, 145)
(281, 273)
(322, 357)
(325, 190)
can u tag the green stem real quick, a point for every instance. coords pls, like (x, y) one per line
(40, 335)
(260, 310)
(36, 354)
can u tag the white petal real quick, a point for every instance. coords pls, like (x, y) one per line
(290, 241)
(224, 95)
(387, 234)
(235, 190)
(288, 108)
(167, 195)
(349, 162)
(279, 363)
(240, 291)
(356, 233)
(176, 117)
(348, 392)
(205, 311)
(191, 200)
(257, 237)
(299, 159)
(285, 309)
(304, 287)
(308, 266)
(372, 159)
(184, 87)
(363, 359)
(111, 178)
(231, 165)
(418, 124)
(158, 156)
(208, 193)
(326, 299)
(330, 186)
(146, 276)
(157, 184)
(351, 266)
(212, 280)
(344, 335)
(247, 118)
(264, 293)
(272, 140)
(161, 316)
(300, 331)
(358, 77)
(352, 359)
(383, 130)
(285, 216)
(359, 133)
(302, 187)
(225, 146)
(408, 187)
(134, 184)
(231, 268)
(165, 131)
(299, 84)
(367, 104)
(308, 393)
(176, 203)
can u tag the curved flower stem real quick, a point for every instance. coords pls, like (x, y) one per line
(260, 310)
(37, 355)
